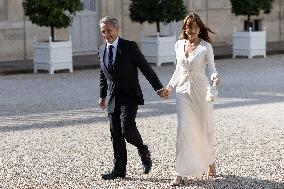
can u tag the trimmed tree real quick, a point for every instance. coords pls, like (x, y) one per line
(250, 8)
(156, 11)
(52, 13)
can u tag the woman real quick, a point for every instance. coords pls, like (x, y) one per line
(194, 150)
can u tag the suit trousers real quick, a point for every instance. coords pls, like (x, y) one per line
(123, 127)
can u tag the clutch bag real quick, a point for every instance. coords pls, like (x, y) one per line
(212, 93)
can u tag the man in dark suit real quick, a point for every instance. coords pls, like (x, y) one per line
(120, 60)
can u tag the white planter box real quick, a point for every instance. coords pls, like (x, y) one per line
(52, 56)
(249, 43)
(158, 49)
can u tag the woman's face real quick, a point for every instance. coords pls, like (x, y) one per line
(192, 30)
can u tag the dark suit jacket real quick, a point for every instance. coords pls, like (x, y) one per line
(123, 83)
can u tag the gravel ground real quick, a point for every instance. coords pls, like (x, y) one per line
(53, 135)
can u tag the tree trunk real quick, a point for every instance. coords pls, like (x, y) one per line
(248, 18)
(158, 26)
(52, 33)
(248, 24)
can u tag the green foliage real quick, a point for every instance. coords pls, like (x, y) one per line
(251, 7)
(51, 13)
(156, 11)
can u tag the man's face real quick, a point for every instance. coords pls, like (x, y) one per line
(109, 32)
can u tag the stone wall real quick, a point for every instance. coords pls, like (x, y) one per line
(281, 18)
(215, 13)
(11, 30)
(128, 29)
(17, 32)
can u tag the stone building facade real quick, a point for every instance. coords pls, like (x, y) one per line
(17, 33)
(215, 13)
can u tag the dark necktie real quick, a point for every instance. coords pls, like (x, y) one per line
(110, 57)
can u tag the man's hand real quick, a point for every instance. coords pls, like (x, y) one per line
(102, 103)
(163, 93)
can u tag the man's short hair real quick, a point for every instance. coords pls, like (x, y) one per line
(107, 19)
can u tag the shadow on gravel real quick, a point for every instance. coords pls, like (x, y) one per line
(249, 98)
(51, 119)
(80, 116)
(153, 180)
(233, 181)
(75, 117)
(50, 124)
(220, 182)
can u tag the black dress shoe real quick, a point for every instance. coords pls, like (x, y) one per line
(113, 175)
(146, 160)
(147, 167)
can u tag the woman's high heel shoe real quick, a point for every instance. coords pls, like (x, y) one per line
(177, 181)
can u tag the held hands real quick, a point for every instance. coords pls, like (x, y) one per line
(164, 93)
(102, 103)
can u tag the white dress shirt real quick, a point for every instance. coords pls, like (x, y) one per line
(114, 50)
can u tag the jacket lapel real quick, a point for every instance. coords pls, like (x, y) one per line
(102, 51)
(101, 54)
(118, 53)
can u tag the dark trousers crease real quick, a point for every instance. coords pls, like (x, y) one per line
(123, 127)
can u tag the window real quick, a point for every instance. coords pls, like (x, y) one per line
(89, 5)
(254, 24)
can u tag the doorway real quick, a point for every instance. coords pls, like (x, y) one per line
(84, 30)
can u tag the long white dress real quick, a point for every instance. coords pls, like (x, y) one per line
(194, 148)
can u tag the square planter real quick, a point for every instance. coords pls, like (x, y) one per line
(158, 49)
(52, 56)
(250, 44)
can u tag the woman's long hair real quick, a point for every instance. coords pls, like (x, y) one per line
(204, 31)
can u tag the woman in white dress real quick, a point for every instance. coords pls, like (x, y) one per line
(194, 148)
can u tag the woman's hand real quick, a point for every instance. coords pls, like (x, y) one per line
(215, 79)
(169, 91)
(163, 93)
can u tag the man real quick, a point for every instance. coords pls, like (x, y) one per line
(120, 60)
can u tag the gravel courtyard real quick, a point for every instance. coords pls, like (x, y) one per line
(53, 134)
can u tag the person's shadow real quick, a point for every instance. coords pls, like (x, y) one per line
(234, 182)
(219, 182)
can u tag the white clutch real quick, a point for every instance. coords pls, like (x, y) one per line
(212, 93)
